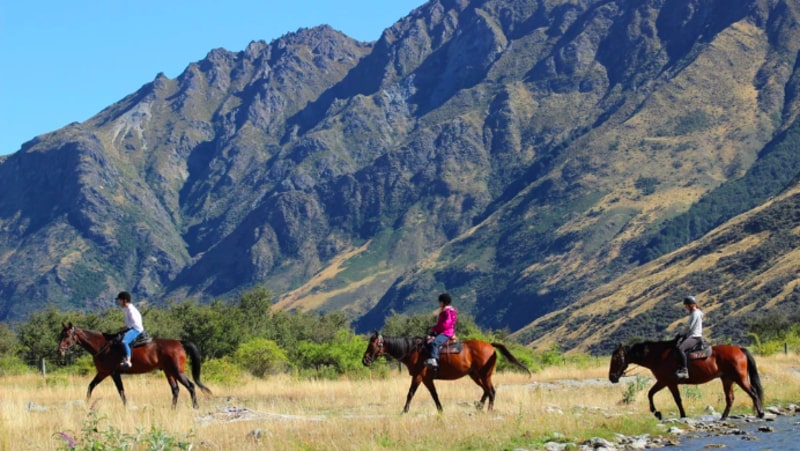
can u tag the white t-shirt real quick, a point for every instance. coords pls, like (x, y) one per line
(133, 319)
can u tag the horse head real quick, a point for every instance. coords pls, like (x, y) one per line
(67, 339)
(619, 364)
(374, 349)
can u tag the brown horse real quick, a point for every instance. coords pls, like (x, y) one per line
(477, 359)
(727, 362)
(167, 355)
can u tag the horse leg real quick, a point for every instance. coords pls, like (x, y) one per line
(97, 379)
(656, 388)
(757, 402)
(118, 382)
(432, 389)
(173, 385)
(486, 393)
(411, 390)
(676, 395)
(727, 386)
(189, 386)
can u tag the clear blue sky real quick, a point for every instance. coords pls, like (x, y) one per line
(66, 60)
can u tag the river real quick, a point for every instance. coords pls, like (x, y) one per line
(778, 433)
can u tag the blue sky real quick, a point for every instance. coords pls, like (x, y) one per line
(64, 61)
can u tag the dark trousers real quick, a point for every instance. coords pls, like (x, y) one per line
(684, 347)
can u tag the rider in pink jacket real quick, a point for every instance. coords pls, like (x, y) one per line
(444, 329)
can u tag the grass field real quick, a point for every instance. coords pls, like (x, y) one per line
(567, 404)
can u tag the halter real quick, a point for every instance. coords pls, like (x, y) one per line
(69, 341)
(369, 358)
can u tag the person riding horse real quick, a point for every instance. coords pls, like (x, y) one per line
(690, 336)
(444, 329)
(133, 326)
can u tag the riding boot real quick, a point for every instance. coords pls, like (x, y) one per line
(683, 371)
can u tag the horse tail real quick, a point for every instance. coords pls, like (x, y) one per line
(194, 355)
(507, 354)
(752, 372)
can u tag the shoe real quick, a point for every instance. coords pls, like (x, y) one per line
(682, 373)
(126, 364)
(432, 363)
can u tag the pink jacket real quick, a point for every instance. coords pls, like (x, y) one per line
(447, 321)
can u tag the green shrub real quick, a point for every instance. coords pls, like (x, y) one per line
(261, 357)
(12, 365)
(222, 371)
(95, 437)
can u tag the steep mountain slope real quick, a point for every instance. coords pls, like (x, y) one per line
(739, 271)
(517, 154)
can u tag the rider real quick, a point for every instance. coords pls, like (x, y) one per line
(690, 335)
(133, 325)
(444, 329)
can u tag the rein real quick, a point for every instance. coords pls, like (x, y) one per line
(80, 338)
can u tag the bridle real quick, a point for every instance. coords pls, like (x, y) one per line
(619, 357)
(68, 341)
(370, 357)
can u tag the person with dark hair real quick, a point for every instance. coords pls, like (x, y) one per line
(690, 336)
(133, 325)
(444, 329)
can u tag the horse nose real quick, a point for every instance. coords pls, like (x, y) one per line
(613, 378)
(365, 361)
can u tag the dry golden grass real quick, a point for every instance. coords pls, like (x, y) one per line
(576, 403)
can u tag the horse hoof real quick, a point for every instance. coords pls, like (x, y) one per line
(657, 414)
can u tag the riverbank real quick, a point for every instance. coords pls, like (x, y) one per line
(557, 408)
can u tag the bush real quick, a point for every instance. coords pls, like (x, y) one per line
(94, 437)
(261, 357)
(332, 359)
(222, 371)
(11, 365)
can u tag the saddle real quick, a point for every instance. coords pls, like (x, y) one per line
(141, 340)
(701, 351)
(451, 346)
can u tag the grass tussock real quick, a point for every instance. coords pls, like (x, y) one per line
(562, 403)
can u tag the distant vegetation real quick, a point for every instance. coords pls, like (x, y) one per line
(246, 336)
(242, 336)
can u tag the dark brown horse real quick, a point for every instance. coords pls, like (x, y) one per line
(167, 355)
(732, 364)
(477, 359)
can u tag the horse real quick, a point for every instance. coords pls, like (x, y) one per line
(476, 359)
(732, 364)
(167, 355)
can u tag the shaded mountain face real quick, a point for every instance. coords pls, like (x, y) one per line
(516, 154)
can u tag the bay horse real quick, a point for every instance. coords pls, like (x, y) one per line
(167, 355)
(476, 359)
(732, 364)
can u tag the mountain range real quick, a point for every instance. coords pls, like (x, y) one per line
(568, 170)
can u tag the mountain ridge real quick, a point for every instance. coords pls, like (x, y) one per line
(516, 155)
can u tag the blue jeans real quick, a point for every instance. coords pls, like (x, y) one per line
(435, 343)
(127, 339)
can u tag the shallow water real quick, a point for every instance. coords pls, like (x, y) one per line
(784, 435)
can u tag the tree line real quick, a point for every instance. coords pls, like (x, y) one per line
(245, 335)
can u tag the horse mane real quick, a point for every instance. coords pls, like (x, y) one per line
(639, 349)
(400, 347)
